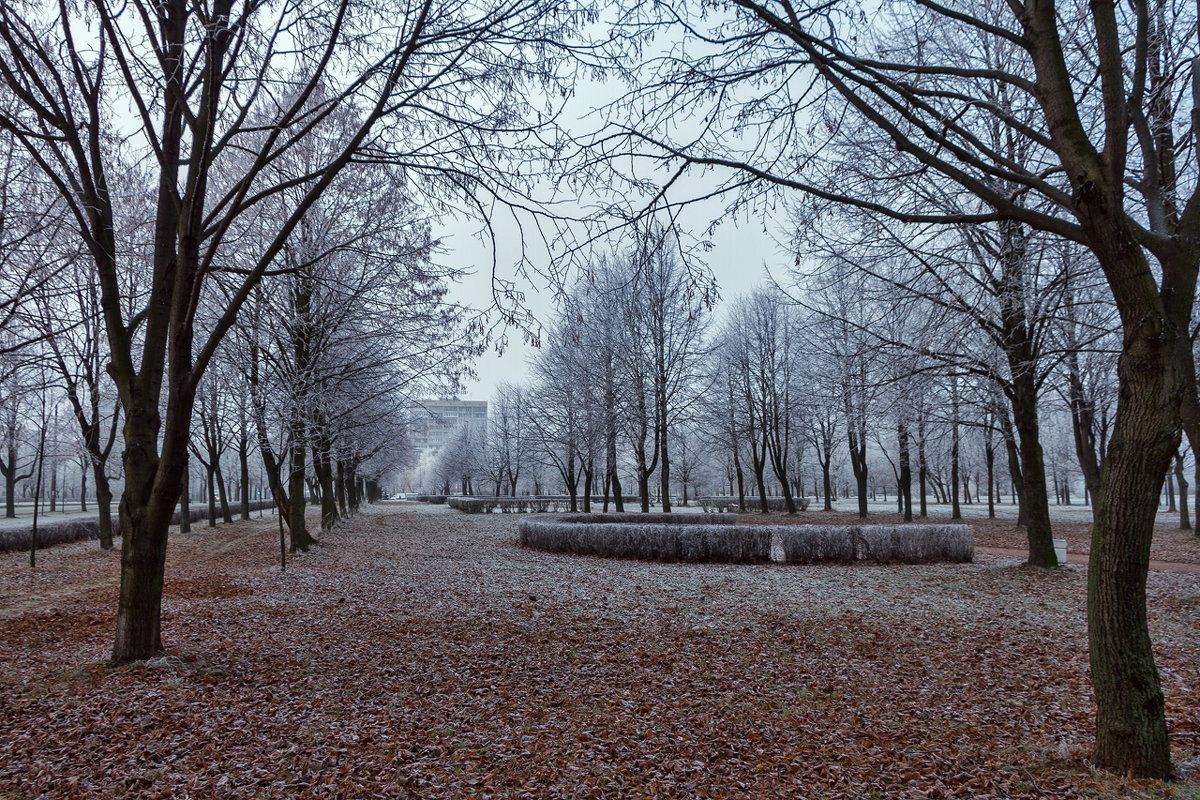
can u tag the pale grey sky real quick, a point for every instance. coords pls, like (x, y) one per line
(741, 252)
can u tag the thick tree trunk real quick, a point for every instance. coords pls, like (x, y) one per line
(1158, 381)
(152, 486)
(324, 471)
(300, 538)
(1130, 715)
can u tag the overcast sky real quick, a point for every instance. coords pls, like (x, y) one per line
(741, 252)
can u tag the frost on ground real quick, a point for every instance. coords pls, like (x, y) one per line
(422, 653)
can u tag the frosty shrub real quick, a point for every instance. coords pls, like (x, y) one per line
(49, 535)
(437, 499)
(650, 537)
(884, 544)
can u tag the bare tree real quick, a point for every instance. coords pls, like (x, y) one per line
(1104, 83)
(211, 84)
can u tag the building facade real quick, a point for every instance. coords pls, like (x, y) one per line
(433, 421)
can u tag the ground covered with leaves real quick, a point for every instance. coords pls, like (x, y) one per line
(422, 653)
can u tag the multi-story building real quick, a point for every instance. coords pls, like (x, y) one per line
(434, 420)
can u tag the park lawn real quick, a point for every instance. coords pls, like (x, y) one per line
(422, 653)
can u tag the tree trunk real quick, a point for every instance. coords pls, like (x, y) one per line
(211, 491)
(1034, 512)
(244, 466)
(324, 471)
(152, 487)
(857, 441)
(300, 538)
(905, 483)
(828, 482)
(103, 506)
(741, 480)
(222, 494)
(340, 488)
(1185, 522)
(664, 466)
(990, 458)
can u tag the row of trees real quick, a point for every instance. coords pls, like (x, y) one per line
(1023, 128)
(210, 232)
(310, 386)
(896, 367)
(186, 145)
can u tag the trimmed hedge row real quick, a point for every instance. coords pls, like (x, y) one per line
(649, 537)
(753, 504)
(716, 538)
(521, 505)
(82, 530)
(76, 530)
(882, 544)
(436, 499)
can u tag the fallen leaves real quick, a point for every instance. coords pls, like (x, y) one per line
(421, 653)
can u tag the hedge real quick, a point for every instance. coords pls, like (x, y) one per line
(883, 544)
(649, 537)
(436, 499)
(716, 538)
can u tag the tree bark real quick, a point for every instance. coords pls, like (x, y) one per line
(905, 473)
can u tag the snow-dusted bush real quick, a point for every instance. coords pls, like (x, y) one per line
(753, 503)
(906, 544)
(50, 535)
(650, 537)
(437, 499)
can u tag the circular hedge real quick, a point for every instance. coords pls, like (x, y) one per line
(716, 538)
(650, 537)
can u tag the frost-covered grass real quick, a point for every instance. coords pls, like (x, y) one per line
(79, 530)
(421, 653)
(753, 503)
